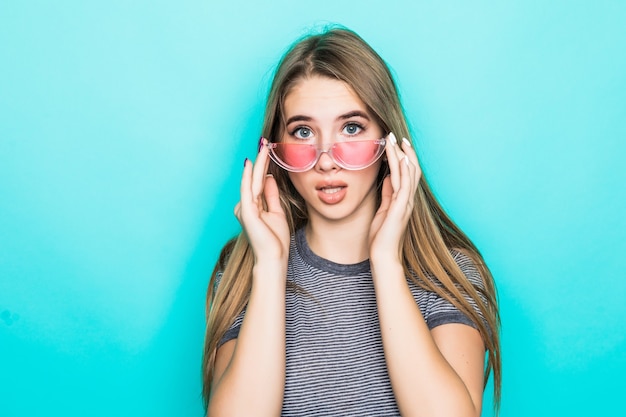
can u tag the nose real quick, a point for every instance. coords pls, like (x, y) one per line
(325, 162)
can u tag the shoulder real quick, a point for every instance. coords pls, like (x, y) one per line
(466, 263)
(468, 266)
(454, 299)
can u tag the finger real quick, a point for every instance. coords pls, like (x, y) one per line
(406, 159)
(247, 201)
(409, 157)
(410, 151)
(392, 161)
(398, 149)
(406, 171)
(259, 170)
(246, 181)
(406, 181)
(415, 169)
(272, 195)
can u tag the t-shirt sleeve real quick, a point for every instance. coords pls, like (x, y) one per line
(233, 330)
(440, 311)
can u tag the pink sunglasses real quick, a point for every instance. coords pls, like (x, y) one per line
(351, 155)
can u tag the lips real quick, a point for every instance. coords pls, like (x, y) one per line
(331, 192)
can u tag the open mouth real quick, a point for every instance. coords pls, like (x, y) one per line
(331, 190)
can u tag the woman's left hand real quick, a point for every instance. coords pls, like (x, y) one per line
(397, 200)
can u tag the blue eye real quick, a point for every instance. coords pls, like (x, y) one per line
(302, 133)
(352, 129)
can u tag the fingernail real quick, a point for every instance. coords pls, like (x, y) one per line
(260, 144)
(392, 138)
(245, 161)
(405, 140)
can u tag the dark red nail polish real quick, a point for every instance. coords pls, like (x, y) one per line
(260, 144)
(244, 162)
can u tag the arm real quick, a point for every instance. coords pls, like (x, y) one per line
(249, 375)
(432, 373)
(250, 370)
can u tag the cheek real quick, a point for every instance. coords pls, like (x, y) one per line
(298, 179)
(374, 173)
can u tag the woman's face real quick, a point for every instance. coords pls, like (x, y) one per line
(322, 110)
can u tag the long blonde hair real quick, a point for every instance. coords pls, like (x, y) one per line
(341, 54)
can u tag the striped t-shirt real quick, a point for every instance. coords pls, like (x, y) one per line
(335, 364)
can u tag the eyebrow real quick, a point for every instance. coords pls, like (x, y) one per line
(349, 115)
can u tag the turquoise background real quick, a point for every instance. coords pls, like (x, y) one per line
(124, 125)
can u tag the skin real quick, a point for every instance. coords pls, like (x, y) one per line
(332, 227)
(432, 373)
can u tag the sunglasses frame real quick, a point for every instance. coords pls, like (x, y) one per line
(320, 149)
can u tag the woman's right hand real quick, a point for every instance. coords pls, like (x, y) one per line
(266, 227)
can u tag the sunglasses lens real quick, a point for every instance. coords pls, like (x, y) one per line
(296, 157)
(353, 155)
(357, 154)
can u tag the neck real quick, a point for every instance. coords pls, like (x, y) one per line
(343, 242)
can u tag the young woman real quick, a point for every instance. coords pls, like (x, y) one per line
(349, 290)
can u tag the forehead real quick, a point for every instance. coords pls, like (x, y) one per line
(321, 96)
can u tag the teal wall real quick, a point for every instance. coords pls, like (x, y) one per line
(123, 127)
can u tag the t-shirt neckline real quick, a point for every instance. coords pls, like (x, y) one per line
(323, 264)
